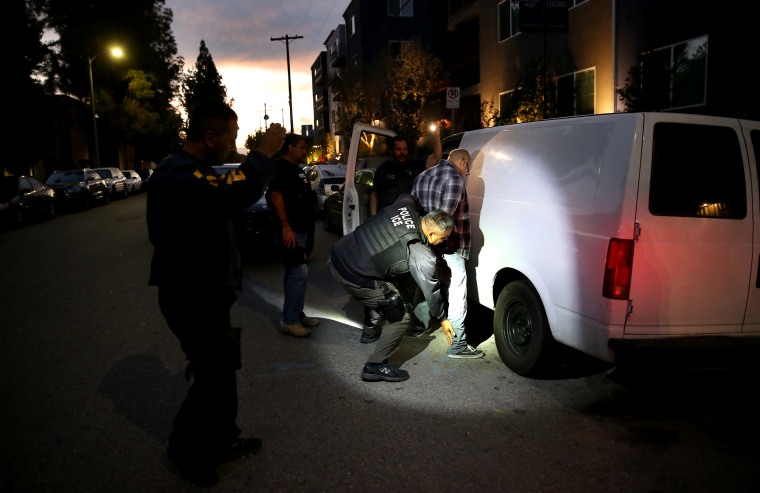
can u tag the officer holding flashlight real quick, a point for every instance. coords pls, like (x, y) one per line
(394, 242)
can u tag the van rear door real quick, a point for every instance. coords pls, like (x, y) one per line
(752, 315)
(693, 259)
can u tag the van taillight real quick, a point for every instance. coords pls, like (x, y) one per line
(617, 270)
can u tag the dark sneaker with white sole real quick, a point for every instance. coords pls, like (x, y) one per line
(467, 352)
(375, 372)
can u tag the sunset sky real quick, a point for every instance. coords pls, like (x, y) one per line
(253, 68)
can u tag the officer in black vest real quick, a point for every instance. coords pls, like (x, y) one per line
(396, 241)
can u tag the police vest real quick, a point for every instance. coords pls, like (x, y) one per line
(386, 237)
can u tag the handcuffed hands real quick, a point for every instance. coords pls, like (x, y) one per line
(448, 331)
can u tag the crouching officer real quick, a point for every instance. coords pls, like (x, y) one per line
(365, 262)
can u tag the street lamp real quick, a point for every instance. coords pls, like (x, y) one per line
(116, 53)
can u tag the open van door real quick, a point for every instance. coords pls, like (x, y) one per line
(367, 150)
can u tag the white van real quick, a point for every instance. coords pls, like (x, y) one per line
(610, 232)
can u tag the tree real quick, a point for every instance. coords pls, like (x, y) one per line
(360, 97)
(409, 79)
(489, 114)
(27, 60)
(150, 132)
(531, 100)
(202, 83)
(393, 89)
(86, 29)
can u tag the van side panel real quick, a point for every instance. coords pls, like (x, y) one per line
(545, 198)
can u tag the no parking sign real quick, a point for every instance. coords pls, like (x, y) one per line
(452, 97)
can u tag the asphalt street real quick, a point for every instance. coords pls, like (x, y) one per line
(92, 377)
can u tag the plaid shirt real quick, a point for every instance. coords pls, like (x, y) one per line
(442, 187)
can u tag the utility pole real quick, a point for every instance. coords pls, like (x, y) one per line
(287, 40)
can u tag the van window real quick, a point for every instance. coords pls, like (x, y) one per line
(697, 171)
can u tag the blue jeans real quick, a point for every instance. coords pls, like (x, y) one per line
(294, 283)
(456, 282)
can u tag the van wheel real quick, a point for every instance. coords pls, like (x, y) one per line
(521, 329)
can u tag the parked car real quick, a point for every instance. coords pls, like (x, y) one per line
(134, 182)
(255, 225)
(333, 207)
(117, 182)
(78, 188)
(322, 177)
(23, 199)
(145, 174)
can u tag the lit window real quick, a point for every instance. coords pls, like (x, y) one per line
(576, 93)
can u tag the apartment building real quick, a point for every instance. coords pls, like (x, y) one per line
(672, 56)
(598, 56)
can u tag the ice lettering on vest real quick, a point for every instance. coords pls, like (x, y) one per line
(404, 218)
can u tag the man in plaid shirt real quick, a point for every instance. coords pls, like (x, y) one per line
(443, 187)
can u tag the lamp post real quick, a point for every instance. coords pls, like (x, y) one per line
(117, 53)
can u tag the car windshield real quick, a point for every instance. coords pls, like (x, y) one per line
(58, 177)
(105, 173)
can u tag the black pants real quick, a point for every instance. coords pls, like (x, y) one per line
(392, 333)
(200, 318)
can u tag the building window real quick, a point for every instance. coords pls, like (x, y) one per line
(576, 93)
(397, 50)
(505, 102)
(400, 8)
(675, 76)
(353, 25)
(509, 19)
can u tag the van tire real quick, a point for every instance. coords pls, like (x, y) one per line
(521, 329)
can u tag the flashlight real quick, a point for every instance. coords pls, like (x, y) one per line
(433, 127)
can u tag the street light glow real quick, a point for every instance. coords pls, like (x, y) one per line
(116, 52)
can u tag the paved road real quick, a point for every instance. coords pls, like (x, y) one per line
(91, 379)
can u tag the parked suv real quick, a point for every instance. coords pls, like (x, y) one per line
(78, 187)
(117, 182)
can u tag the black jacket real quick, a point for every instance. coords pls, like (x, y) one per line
(387, 245)
(190, 219)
